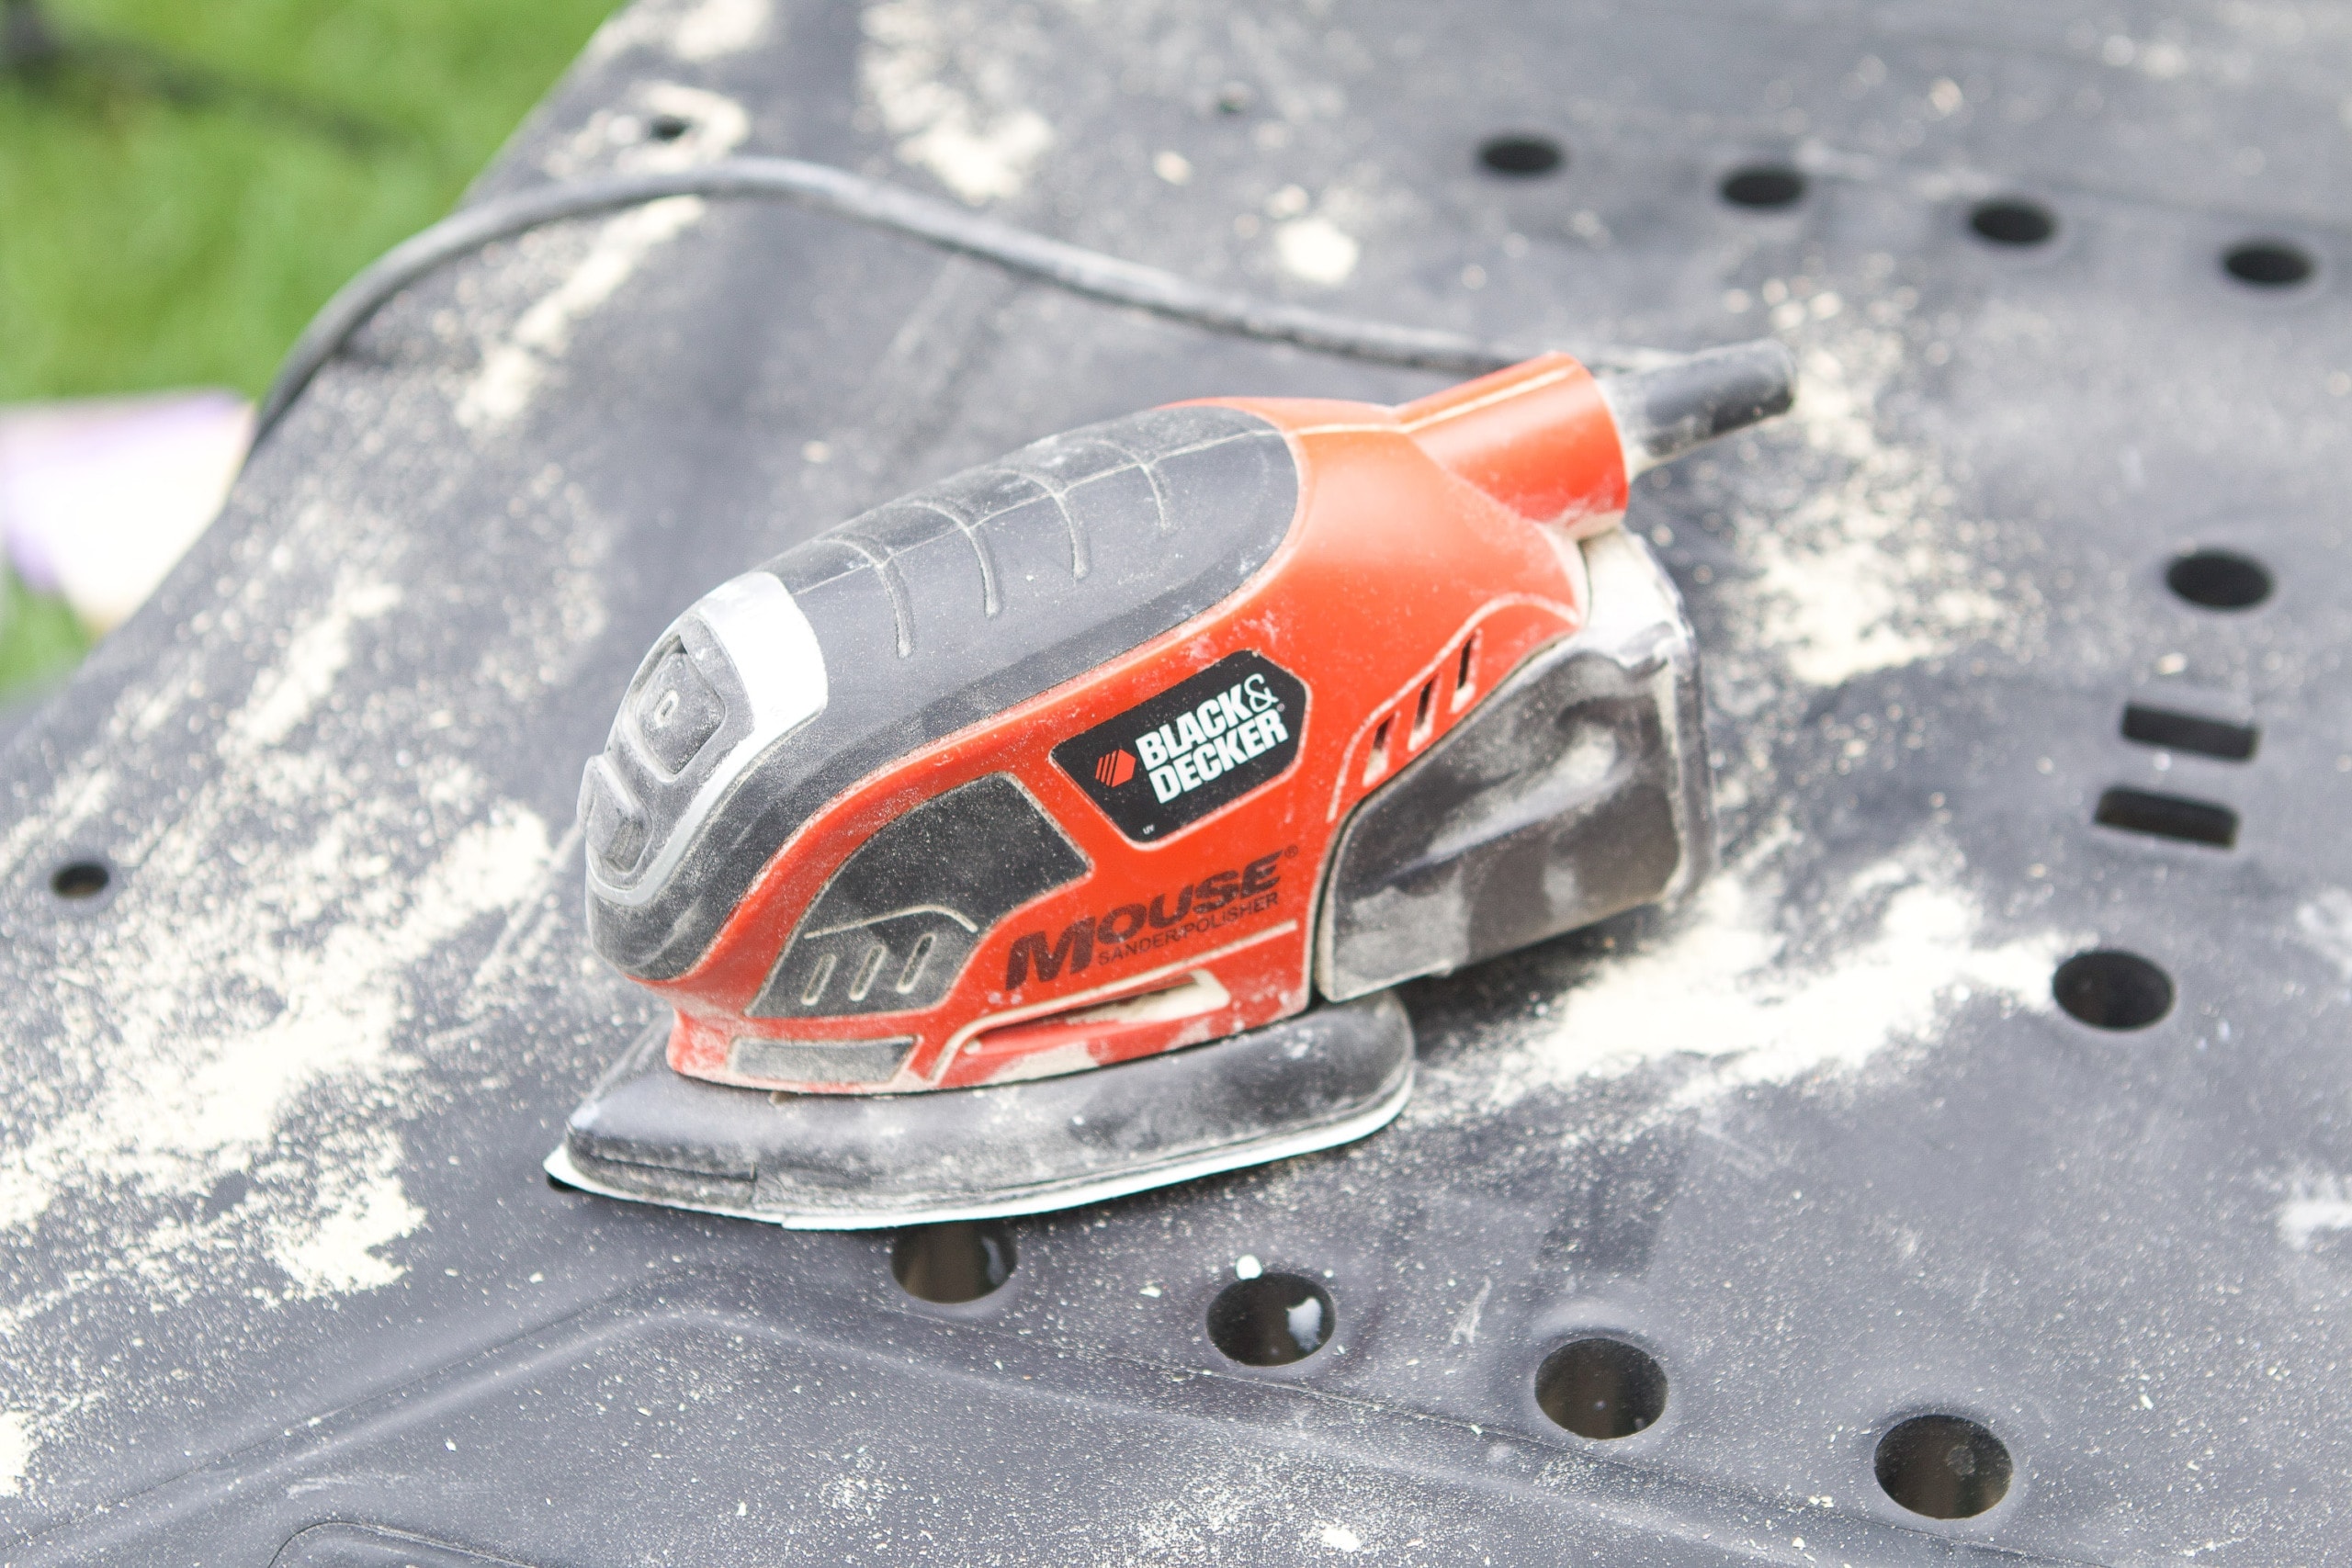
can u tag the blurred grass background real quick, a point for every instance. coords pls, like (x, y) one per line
(185, 184)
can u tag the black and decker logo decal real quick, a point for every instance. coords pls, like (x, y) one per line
(1131, 929)
(1202, 743)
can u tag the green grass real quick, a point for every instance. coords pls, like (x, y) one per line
(40, 638)
(154, 244)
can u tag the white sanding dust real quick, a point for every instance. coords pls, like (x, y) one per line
(944, 78)
(360, 1206)
(1333, 1535)
(1316, 250)
(224, 991)
(513, 369)
(515, 364)
(2325, 922)
(1871, 569)
(694, 30)
(16, 1451)
(291, 688)
(2314, 1206)
(1747, 988)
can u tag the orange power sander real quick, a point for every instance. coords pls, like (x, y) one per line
(1058, 832)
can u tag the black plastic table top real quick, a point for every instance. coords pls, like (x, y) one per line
(282, 1273)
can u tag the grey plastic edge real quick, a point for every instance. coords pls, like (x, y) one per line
(1640, 638)
(1323, 1078)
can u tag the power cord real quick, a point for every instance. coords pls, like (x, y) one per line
(823, 189)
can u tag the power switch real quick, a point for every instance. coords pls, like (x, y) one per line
(677, 712)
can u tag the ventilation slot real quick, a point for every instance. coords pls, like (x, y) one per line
(2169, 816)
(817, 979)
(913, 971)
(1425, 712)
(868, 972)
(1377, 763)
(2188, 733)
(1462, 670)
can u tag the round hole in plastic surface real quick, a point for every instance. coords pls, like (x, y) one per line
(960, 1261)
(1946, 1466)
(1601, 1387)
(2011, 221)
(2218, 580)
(1272, 1320)
(79, 880)
(2267, 264)
(1521, 154)
(668, 127)
(2107, 989)
(1763, 187)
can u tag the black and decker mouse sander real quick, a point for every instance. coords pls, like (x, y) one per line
(1059, 832)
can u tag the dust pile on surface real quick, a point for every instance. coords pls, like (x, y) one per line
(207, 1084)
(1863, 558)
(696, 31)
(946, 83)
(2324, 923)
(2314, 1207)
(225, 988)
(1748, 986)
(570, 275)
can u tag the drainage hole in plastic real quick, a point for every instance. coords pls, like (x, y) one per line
(2012, 222)
(1521, 155)
(1763, 187)
(668, 127)
(79, 880)
(1601, 1387)
(1272, 1320)
(2167, 817)
(2107, 989)
(1946, 1466)
(2178, 731)
(2267, 264)
(2218, 580)
(961, 1261)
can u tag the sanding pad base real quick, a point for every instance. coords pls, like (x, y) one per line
(850, 1162)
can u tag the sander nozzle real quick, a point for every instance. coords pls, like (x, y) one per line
(1663, 412)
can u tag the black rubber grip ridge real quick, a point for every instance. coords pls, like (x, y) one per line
(946, 606)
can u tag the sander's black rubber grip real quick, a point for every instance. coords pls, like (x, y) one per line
(945, 607)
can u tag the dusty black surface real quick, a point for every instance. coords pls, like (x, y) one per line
(279, 1260)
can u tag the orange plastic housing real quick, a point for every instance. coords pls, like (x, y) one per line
(1433, 549)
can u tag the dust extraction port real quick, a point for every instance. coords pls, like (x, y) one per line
(2167, 817)
(1946, 1466)
(2012, 221)
(2218, 580)
(961, 1261)
(2267, 264)
(2108, 989)
(1601, 1387)
(2178, 731)
(1522, 154)
(1763, 187)
(1272, 1320)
